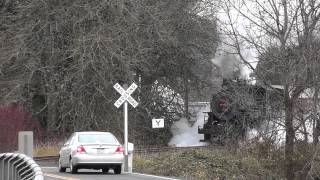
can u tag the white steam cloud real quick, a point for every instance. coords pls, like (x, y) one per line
(185, 135)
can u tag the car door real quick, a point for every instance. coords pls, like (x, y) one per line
(69, 148)
(65, 151)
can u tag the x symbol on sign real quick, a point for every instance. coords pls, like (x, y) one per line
(125, 95)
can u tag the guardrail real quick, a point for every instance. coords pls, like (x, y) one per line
(14, 166)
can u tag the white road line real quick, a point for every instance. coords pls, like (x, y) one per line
(49, 167)
(59, 177)
(148, 175)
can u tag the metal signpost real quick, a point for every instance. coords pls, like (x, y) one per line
(124, 99)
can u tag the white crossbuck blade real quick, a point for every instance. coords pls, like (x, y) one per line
(125, 95)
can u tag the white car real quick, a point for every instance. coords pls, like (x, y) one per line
(91, 150)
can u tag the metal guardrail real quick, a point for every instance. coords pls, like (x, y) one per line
(14, 166)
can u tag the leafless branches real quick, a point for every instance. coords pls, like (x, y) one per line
(282, 34)
(61, 58)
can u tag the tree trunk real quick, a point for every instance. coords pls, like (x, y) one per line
(316, 130)
(186, 100)
(186, 95)
(289, 145)
(52, 112)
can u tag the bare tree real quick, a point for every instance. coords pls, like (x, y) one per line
(61, 58)
(290, 27)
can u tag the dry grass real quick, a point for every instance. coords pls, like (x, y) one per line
(46, 150)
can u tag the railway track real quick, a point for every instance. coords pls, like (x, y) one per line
(149, 150)
(166, 149)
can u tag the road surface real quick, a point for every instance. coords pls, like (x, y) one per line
(51, 173)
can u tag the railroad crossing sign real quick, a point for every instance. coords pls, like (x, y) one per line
(124, 99)
(157, 123)
(125, 95)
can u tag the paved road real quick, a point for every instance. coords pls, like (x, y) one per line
(51, 173)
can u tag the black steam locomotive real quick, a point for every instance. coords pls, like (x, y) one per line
(235, 108)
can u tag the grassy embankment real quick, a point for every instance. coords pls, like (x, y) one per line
(207, 164)
(256, 161)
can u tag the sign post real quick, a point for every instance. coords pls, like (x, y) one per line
(125, 124)
(124, 99)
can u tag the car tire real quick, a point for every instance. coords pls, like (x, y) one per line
(105, 170)
(73, 169)
(117, 169)
(61, 169)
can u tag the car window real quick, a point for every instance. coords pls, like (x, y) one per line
(97, 138)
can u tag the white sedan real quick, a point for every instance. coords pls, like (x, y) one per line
(91, 150)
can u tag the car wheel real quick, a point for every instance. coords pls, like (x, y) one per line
(117, 169)
(105, 170)
(73, 169)
(61, 169)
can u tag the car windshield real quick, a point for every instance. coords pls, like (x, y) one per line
(97, 138)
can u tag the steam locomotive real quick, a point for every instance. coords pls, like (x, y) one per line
(235, 108)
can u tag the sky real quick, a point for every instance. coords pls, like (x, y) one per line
(240, 24)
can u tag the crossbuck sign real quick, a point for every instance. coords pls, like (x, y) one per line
(124, 99)
(125, 95)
